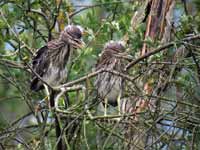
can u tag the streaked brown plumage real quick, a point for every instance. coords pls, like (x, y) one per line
(50, 61)
(108, 85)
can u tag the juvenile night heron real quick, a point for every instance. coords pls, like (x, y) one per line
(50, 61)
(109, 86)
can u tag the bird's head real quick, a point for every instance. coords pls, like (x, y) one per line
(115, 47)
(74, 37)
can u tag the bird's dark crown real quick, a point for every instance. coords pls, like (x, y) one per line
(74, 31)
(115, 46)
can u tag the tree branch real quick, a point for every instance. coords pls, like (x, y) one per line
(155, 51)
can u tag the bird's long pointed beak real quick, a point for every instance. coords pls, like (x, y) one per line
(85, 32)
(79, 44)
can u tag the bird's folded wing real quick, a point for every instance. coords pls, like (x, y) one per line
(40, 64)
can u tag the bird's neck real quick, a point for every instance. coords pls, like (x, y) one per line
(67, 49)
(62, 56)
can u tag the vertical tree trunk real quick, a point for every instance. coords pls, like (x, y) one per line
(158, 27)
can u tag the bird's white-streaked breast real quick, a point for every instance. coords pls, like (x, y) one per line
(109, 88)
(55, 75)
(108, 85)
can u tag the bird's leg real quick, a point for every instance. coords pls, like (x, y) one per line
(57, 100)
(47, 94)
(46, 90)
(58, 97)
(119, 103)
(105, 107)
